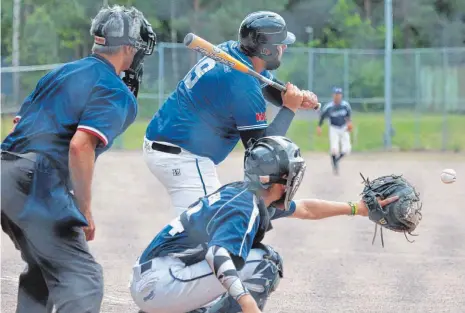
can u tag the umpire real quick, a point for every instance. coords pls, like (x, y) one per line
(47, 163)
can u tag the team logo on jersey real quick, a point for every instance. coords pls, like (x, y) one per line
(260, 117)
(176, 172)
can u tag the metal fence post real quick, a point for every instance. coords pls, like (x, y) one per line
(310, 69)
(346, 75)
(161, 71)
(418, 103)
(445, 63)
(387, 74)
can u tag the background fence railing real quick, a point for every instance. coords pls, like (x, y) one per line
(428, 87)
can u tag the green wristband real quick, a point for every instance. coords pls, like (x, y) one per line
(353, 208)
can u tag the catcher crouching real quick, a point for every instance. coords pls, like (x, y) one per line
(214, 250)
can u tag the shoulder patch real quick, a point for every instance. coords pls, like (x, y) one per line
(214, 198)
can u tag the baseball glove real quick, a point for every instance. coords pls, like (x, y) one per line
(402, 215)
(350, 127)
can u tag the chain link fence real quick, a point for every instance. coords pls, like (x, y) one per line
(428, 98)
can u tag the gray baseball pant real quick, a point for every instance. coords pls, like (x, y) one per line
(60, 270)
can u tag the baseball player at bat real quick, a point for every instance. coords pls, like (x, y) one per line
(47, 162)
(214, 107)
(215, 250)
(339, 114)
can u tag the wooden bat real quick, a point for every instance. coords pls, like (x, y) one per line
(206, 48)
(198, 44)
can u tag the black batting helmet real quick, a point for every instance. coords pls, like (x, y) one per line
(260, 33)
(274, 160)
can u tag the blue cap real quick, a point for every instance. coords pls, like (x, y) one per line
(337, 90)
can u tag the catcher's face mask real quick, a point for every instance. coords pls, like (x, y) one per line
(294, 179)
(279, 162)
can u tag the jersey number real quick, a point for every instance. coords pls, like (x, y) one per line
(194, 75)
(176, 224)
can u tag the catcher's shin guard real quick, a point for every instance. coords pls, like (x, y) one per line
(264, 280)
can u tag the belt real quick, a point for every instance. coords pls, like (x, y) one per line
(165, 148)
(144, 267)
(12, 156)
(8, 156)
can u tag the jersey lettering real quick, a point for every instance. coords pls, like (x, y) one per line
(176, 224)
(194, 75)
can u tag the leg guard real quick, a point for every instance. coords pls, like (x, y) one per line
(264, 280)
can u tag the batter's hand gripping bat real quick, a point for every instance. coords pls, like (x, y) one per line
(206, 48)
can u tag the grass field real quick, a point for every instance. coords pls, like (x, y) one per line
(411, 133)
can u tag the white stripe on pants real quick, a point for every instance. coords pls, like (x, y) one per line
(339, 136)
(171, 287)
(186, 176)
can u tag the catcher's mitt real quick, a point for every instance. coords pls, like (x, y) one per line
(402, 215)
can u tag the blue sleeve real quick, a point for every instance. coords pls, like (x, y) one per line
(234, 229)
(324, 113)
(23, 108)
(349, 109)
(108, 113)
(281, 213)
(249, 109)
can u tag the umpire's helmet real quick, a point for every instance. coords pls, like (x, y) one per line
(260, 33)
(274, 160)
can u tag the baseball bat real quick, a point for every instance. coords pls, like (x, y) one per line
(206, 48)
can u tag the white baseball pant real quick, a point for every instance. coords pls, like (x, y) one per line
(167, 285)
(339, 140)
(186, 176)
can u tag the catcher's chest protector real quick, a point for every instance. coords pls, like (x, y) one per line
(265, 223)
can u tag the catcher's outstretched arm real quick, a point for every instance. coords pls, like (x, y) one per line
(315, 209)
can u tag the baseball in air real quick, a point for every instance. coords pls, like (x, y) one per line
(448, 176)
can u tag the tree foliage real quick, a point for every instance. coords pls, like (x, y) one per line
(57, 31)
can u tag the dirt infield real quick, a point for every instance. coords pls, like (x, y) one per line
(330, 265)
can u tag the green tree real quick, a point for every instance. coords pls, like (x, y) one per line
(348, 29)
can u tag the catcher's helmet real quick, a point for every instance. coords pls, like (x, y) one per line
(260, 33)
(274, 160)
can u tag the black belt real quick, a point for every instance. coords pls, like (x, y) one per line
(12, 156)
(8, 156)
(166, 148)
(144, 267)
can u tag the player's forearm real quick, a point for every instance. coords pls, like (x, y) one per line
(223, 267)
(280, 123)
(315, 209)
(272, 94)
(81, 166)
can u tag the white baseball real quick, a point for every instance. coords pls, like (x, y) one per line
(448, 176)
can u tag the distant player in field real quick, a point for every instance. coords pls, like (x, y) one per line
(214, 107)
(214, 249)
(339, 114)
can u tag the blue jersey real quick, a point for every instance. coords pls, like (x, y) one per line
(338, 114)
(85, 95)
(228, 218)
(210, 106)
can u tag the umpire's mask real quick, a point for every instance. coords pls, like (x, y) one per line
(274, 160)
(144, 45)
